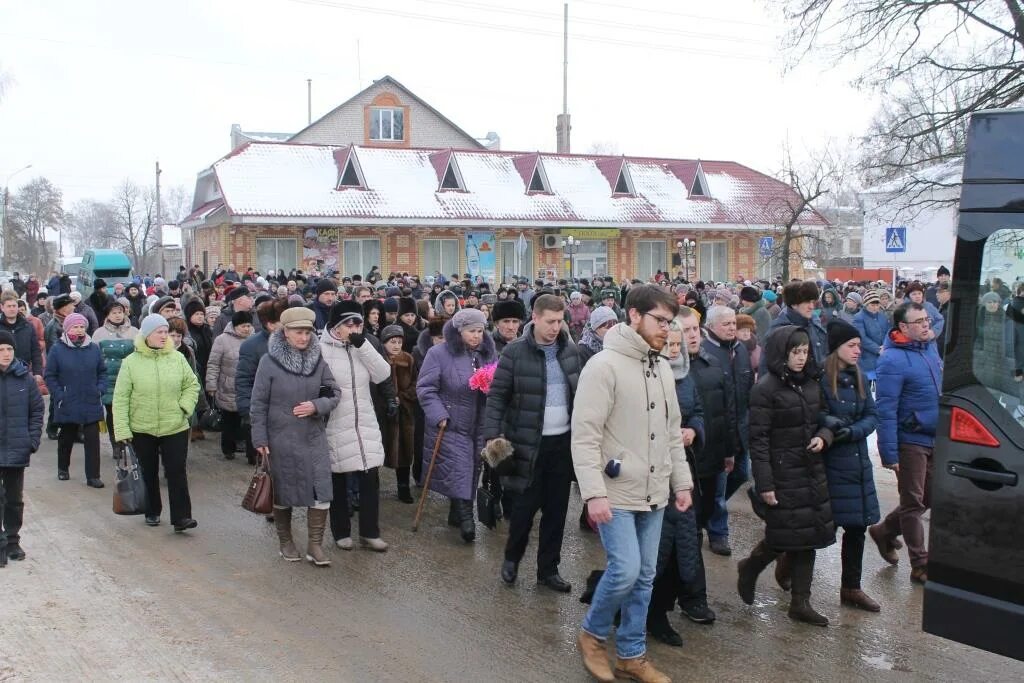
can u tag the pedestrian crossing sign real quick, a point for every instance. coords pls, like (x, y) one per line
(896, 240)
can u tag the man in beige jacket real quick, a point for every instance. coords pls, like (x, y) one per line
(627, 450)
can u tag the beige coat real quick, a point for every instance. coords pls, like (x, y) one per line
(626, 409)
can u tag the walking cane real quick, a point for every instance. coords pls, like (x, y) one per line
(426, 480)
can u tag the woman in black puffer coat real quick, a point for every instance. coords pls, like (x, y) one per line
(786, 446)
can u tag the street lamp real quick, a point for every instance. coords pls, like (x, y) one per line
(686, 249)
(571, 246)
(3, 226)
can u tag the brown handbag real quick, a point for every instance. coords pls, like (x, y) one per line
(259, 496)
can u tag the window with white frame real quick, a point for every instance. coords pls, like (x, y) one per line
(512, 263)
(651, 257)
(274, 254)
(360, 256)
(714, 261)
(387, 123)
(441, 256)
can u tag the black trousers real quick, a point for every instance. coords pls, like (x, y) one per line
(369, 504)
(668, 585)
(110, 426)
(12, 504)
(173, 450)
(548, 492)
(852, 555)
(66, 441)
(250, 451)
(704, 492)
(230, 431)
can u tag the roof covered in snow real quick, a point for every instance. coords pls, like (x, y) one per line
(267, 182)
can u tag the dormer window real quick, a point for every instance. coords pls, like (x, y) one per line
(622, 187)
(531, 170)
(537, 184)
(351, 175)
(451, 180)
(700, 184)
(387, 124)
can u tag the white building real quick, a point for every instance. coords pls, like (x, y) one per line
(929, 214)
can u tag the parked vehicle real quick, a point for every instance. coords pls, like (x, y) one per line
(975, 588)
(109, 264)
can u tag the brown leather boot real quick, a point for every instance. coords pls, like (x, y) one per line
(800, 610)
(639, 669)
(886, 548)
(283, 522)
(782, 573)
(855, 597)
(198, 434)
(595, 658)
(316, 522)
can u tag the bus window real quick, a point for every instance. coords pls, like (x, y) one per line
(999, 341)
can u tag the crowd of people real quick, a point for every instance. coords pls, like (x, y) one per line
(660, 399)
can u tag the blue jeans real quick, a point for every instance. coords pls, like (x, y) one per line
(728, 484)
(631, 544)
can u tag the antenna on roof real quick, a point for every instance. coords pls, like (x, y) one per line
(309, 101)
(562, 127)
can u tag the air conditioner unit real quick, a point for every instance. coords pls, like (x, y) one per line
(551, 241)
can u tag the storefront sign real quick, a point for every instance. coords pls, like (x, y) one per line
(320, 249)
(591, 233)
(480, 255)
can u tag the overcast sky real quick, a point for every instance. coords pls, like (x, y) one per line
(101, 89)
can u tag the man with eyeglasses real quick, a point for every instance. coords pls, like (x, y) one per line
(909, 384)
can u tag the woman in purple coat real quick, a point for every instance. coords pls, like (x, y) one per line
(447, 400)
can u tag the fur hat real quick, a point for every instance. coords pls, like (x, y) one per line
(344, 310)
(161, 303)
(325, 284)
(840, 332)
(193, 306)
(391, 305)
(496, 452)
(235, 294)
(99, 283)
(241, 318)
(745, 322)
(435, 327)
(61, 300)
(390, 332)
(406, 304)
(796, 293)
(914, 286)
(751, 294)
(508, 308)
(371, 304)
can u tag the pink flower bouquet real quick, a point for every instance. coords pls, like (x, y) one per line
(482, 378)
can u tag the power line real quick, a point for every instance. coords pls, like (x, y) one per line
(673, 13)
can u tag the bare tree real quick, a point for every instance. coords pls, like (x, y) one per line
(935, 62)
(175, 204)
(135, 229)
(91, 224)
(604, 148)
(34, 210)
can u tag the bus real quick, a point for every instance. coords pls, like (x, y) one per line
(975, 589)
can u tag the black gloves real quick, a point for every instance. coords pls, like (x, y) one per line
(843, 435)
(393, 407)
(357, 339)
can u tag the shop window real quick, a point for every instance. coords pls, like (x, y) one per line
(714, 261)
(274, 254)
(387, 124)
(515, 264)
(360, 256)
(652, 256)
(441, 256)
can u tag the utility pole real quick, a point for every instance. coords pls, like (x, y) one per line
(159, 228)
(309, 101)
(562, 128)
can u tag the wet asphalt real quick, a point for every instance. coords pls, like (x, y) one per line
(103, 597)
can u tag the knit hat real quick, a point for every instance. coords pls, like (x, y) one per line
(770, 296)
(943, 270)
(161, 303)
(406, 304)
(99, 283)
(602, 315)
(855, 298)
(7, 339)
(236, 294)
(76, 296)
(325, 284)
(241, 318)
(575, 296)
(297, 317)
(751, 294)
(61, 300)
(840, 332)
(871, 297)
(990, 298)
(122, 302)
(343, 311)
(390, 332)
(489, 299)
(468, 317)
(509, 308)
(391, 305)
(151, 323)
(75, 319)
(296, 300)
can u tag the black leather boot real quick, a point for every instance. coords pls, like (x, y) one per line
(749, 569)
(467, 525)
(802, 570)
(453, 512)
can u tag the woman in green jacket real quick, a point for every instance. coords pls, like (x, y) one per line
(152, 381)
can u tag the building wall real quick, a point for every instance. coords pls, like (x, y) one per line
(931, 234)
(347, 125)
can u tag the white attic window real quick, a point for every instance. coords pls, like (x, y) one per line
(539, 181)
(452, 179)
(352, 176)
(624, 184)
(700, 184)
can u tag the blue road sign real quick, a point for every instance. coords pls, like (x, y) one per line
(896, 240)
(767, 244)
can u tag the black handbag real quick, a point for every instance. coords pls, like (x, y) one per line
(129, 489)
(212, 420)
(488, 500)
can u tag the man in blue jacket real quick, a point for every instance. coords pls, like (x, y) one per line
(909, 384)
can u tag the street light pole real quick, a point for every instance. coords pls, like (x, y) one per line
(686, 247)
(3, 226)
(570, 245)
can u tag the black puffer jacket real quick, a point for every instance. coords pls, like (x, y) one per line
(515, 404)
(720, 439)
(784, 413)
(734, 359)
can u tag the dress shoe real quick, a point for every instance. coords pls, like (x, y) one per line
(699, 614)
(595, 658)
(184, 525)
(152, 520)
(919, 574)
(661, 630)
(377, 545)
(509, 571)
(94, 483)
(720, 546)
(15, 552)
(556, 583)
(885, 546)
(63, 475)
(639, 669)
(229, 456)
(855, 597)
